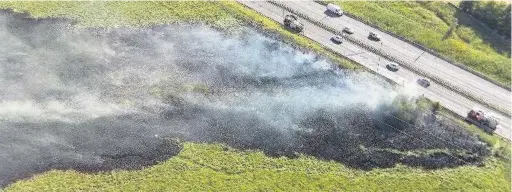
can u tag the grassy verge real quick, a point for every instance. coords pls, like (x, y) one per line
(427, 23)
(501, 147)
(204, 167)
(142, 14)
(117, 14)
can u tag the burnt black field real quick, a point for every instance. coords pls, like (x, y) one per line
(97, 100)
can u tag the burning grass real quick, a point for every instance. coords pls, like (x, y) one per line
(356, 136)
(249, 92)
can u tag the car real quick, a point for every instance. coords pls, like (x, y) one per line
(374, 36)
(336, 39)
(423, 82)
(334, 9)
(348, 30)
(392, 66)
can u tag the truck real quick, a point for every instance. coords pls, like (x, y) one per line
(334, 9)
(486, 122)
(293, 23)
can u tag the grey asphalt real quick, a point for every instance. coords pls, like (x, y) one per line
(478, 87)
(449, 99)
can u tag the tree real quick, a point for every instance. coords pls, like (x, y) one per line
(505, 22)
(466, 6)
(494, 14)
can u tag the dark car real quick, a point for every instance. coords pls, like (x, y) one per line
(336, 39)
(374, 36)
(392, 66)
(423, 82)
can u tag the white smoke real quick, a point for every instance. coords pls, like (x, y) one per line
(107, 75)
(66, 93)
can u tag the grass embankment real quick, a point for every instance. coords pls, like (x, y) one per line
(201, 167)
(117, 14)
(204, 167)
(144, 14)
(427, 23)
(500, 146)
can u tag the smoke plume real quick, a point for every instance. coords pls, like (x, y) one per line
(96, 99)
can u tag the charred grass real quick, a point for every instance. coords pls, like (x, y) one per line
(200, 167)
(222, 167)
(203, 167)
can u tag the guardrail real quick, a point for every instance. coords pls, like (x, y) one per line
(423, 48)
(394, 59)
(340, 55)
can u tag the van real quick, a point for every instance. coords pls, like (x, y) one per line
(334, 9)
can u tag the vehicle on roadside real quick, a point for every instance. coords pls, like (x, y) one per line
(336, 39)
(374, 36)
(423, 82)
(292, 22)
(392, 66)
(348, 30)
(486, 122)
(334, 9)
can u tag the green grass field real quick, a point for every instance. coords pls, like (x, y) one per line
(202, 167)
(427, 22)
(116, 14)
(205, 167)
(226, 15)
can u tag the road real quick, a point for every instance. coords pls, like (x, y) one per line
(424, 61)
(450, 100)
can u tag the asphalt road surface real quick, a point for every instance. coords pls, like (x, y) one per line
(476, 86)
(449, 99)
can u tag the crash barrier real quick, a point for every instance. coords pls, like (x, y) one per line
(445, 58)
(370, 70)
(394, 59)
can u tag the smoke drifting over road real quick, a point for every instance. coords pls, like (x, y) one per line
(91, 99)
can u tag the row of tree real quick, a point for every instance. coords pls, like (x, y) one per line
(495, 14)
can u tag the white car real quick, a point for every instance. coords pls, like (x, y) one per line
(348, 30)
(392, 66)
(336, 39)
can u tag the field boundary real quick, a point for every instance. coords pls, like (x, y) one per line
(394, 59)
(423, 48)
